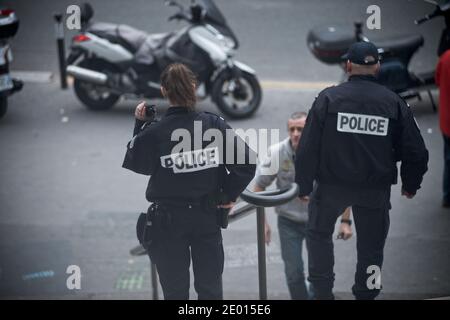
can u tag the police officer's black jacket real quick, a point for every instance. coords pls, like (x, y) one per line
(195, 171)
(354, 135)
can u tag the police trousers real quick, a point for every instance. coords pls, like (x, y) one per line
(371, 217)
(182, 232)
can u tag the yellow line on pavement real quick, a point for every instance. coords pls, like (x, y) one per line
(277, 85)
(295, 85)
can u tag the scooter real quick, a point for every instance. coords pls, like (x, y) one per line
(9, 24)
(329, 44)
(108, 60)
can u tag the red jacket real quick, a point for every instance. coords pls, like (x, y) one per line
(443, 82)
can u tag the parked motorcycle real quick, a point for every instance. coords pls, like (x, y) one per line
(113, 60)
(9, 24)
(329, 44)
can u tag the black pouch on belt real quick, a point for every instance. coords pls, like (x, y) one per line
(145, 227)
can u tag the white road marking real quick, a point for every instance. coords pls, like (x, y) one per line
(33, 76)
(245, 255)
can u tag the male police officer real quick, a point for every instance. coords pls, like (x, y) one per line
(354, 135)
(292, 216)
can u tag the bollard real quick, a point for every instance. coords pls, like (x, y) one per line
(59, 31)
(261, 253)
(358, 31)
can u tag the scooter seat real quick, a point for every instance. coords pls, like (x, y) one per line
(157, 40)
(154, 42)
(122, 34)
(404, 45)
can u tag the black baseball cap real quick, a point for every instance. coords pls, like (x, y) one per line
(364, 53)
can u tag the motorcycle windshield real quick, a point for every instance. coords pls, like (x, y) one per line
(216, 18)
(213, 12)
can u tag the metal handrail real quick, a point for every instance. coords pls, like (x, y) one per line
(260, 200)
(271, 198)
(253, 200)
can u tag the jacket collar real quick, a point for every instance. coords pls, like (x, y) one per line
(367, 77)
(176, 110)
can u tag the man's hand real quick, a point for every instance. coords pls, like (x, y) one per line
(345, 231)
(407, 194)
(267, 232)
(304, 199)
(139, 113)
(228, 205)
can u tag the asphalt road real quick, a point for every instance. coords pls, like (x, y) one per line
(65, 200)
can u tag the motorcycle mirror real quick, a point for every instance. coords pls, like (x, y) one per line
(437, 12)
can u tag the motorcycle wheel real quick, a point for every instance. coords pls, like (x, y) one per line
(3, 106)
(93, 96)
(237, 97)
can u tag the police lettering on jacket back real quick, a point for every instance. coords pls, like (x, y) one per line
(191, 161)
(362, 124)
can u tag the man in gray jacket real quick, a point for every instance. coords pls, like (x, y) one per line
(292, 216)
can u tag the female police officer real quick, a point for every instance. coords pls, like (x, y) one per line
(189, 181)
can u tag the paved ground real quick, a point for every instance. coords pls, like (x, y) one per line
(64, 198)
